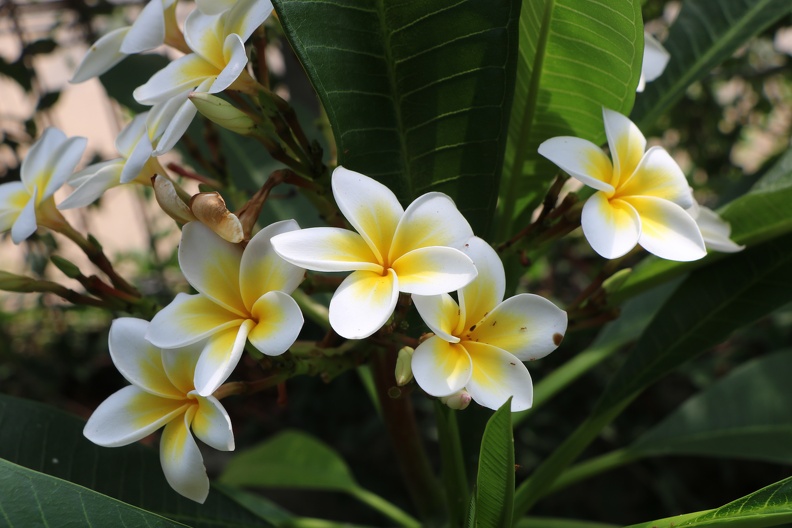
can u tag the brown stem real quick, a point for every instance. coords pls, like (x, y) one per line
(548, 204)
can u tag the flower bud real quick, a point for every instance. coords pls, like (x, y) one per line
(223, 113)
(458, 401)
(615, 281)
(17, 283)
(404, 373)
(211, 210)
(68, 268)
(169, 200)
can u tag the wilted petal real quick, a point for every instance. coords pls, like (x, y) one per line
(440, 313)
(715, 230)
(129, 415)
(611, 227)
(658, 175)
(212, 425)
(627, 145)
(262, 270)
(219, 357)
(433, 270)
(278, 323)
(363, 303)
(441, 368)
(101, 56)
(526, 325)
(25, 223)
(486, 291)
(181, 76)
(188, 319)
(13, 198)
(431, 220)
(182, 462)
(148, 31)
(370, 207)
(496, 376)
(581, 159)
(667, 230)
(326, 249)
(179, 365)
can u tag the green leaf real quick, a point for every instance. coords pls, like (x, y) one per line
(47, 440)
(418, 94)
(557, 522)
(704, 34)
(770, 506)
(29, 498)
(495, 481)
(576, 56)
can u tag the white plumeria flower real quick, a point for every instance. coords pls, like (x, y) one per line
(242, 295)
(147, 32)
(218, 57)
(214, 7)
(412, 251)
(655, 60)
(715, 230)
(162, 394)
(48, 164)
(641, 197)
(479, 344)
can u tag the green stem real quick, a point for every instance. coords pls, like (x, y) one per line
(593, 466)
(391, 511)
(313, 310)
(453, 460)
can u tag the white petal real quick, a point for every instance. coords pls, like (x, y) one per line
(441, 368)
(363, 303)
(148, 30)
(326, 249)
(235, 60)
(61, 164)
(715, 230)
(13, 198)
(440, 313)
(486, 291)
(655, 58)
(25, 224)
(526, 325)
(129, 415)
(262, 270)
(627, 145)
(181, 76)
(581, 159)
(497, 375)
(278, 323)
(91, 186)
(220, 357)
(189, 319)
(433, 270)
(214, 7)
(667, 230)
(212, 425)
(245, 16)
(658, 175)
(611, 227)
(370, 207)
(179, 365)
(204, 35)
(168, 134)
(101, 56)
(137, 160)
(182, 462)
(130, 135)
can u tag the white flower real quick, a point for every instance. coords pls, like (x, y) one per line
(655, 60)
(242, 295)
(479, 344)
(714, 229)
(394, 250)
(641, 197)
(162, 394)
(26, 203)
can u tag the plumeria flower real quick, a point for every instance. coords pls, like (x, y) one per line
(412, 251)
(155, 25)
(479, 344)
(214, 7)
(655, 60)
(162, 394)
(715, 230)
(242, 295)
(27, 203)
(641, 197)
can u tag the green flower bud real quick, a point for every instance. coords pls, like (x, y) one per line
(404, 366)
(223, 113)
(458, 401)
(68, 268)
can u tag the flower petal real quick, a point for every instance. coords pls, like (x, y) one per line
(137, 159)
(441, 368)
(278, 323)
(370, 207)
(179, 365)
(38, 160)
(204, 34)
(486, 291)
(188, 319)
(62, 163)
(655, 58)
(234, 61)
(581, 159)
(211, 266)
(214, 7)
(13, 198)
(212, 425)
(497, 375)
(667, 230)
(431, 220)
(179, 77)
(627, 145)
(363, 303)
(612, 227)
(526, 325)
(715, 230)
(440, 313)
(138, 360)
(326, 249)
(129, 415)
(148, 30)
(658, 175)
(433, 270)
(25, 223)
(169, 132)
(101, 56)
(245, 16)
(262, 270)
(128, 138)
(182, 462)
(220, 357)
(89, 187)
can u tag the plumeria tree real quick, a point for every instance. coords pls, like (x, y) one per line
(412, 232)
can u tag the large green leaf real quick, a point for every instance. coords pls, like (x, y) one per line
(705, 33)
(770, 506)
(495, 480)
(46, 440)
(576, 56)
(29, 498)
(418, 93)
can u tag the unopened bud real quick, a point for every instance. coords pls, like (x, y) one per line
(404, 373)
(211, 210)
(17, 283)
(223, 113)
(170, 201)
(615, 281)
(458, 401)
(68, 268)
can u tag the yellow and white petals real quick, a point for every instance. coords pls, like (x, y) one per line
(497, 376)
(189, 319)
(363, 303)
(715, 230)
(262, 270)
(441, 368)
(431, 220)
(279, 323)
(640, 195)
(441, 314)
(220, 357)
(181, 460)
(13, 198)
(478, 298)
(214, 7)
(655, 60)
(327, 249)
(25, 224)
(433, 270)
